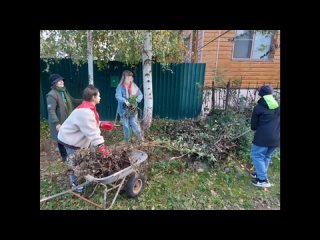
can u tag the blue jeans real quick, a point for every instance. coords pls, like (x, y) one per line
(71, 161)
(131, 121)
(261, 157)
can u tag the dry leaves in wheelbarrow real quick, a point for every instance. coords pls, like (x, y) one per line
(89, 161)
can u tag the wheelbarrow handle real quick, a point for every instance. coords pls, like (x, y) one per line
(64, 192)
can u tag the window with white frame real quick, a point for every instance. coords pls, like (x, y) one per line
(252, 45)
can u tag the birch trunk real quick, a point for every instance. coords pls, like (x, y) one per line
(90, 57)
(147, 80)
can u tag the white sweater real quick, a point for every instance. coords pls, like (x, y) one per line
(80, 129)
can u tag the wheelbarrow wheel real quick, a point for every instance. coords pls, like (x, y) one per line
(134, 185)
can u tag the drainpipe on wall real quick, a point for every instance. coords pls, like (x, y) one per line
(217, 56)
(199, 46)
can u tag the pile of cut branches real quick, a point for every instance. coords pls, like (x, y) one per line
(206, 141)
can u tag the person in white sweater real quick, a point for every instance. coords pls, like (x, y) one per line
(82, 130)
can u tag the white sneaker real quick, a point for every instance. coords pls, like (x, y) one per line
(79, 189)
(258, 183)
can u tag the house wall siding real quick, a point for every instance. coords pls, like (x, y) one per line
(252, 73)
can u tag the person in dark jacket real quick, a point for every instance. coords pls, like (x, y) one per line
(60, 105)
(265, 121)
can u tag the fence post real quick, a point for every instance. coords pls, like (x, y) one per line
(213, 97)
(219, 98)
(227, 96)
(255, 92)
(277, 92)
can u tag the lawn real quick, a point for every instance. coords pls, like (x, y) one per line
(171, 184)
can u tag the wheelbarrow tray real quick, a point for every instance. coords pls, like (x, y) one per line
(136, 157)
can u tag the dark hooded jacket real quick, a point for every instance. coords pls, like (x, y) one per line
(265, 121)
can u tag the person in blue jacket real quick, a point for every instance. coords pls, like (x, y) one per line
(126, 90)
(265, 121)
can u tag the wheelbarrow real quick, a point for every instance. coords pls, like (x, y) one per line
(132, 188)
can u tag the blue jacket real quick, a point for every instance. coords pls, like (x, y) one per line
(121, 97)
(265, 121)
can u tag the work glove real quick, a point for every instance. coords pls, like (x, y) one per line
(127, 103)
(107, 125)
(104, 152)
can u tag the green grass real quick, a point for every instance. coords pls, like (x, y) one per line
(172, 185)
(44, 129)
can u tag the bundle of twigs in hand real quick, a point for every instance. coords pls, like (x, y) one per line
(132, 109)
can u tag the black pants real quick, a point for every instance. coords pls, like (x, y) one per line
(63, 152)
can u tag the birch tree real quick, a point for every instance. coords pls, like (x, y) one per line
(147, 80)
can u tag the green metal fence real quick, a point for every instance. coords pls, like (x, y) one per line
(177, 94)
